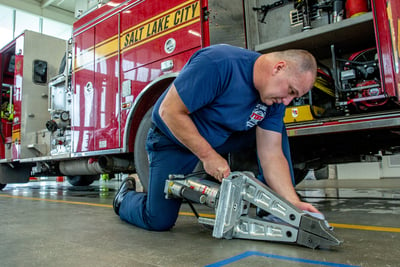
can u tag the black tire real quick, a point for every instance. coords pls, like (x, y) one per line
(322, 173)
(299, 175)
(82, 180)
(140, 153)
(2, 186)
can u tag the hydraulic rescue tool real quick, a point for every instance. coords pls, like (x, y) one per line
(232, 200)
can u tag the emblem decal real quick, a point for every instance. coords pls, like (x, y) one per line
(295, 112)
(257, 115)
(170, 45)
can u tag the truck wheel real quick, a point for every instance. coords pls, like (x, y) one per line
(322, 173)
(299, 175)
(2, 186)
(81, 180)
(140, 154)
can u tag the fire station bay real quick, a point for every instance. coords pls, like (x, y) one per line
(120, 145)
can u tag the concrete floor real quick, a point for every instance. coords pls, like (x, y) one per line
(48, 223)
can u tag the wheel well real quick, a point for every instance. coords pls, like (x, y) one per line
(146, 100)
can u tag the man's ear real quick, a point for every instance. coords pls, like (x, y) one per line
(279, 66)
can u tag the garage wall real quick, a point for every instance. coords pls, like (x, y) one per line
(388, 168)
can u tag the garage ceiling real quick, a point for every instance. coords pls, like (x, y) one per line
(59, 10)
(65, 5)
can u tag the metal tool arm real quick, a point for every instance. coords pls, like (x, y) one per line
(232, 200)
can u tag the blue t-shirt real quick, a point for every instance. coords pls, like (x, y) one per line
(217, 87)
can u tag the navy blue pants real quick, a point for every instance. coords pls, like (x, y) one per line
(151, 210)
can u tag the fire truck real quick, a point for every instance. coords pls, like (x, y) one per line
(82, 108)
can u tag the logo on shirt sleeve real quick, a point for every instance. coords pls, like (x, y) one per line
(258, 114)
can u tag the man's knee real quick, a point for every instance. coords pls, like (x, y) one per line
(162, 213)
(163, 223)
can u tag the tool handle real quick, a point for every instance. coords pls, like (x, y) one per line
(193, 195)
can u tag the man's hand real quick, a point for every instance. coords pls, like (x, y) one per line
(306, 206)
(216, 166)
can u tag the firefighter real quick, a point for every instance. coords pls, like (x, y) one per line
(7, 111)
(224, 99)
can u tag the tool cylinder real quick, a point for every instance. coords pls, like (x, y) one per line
(206, 187)
(193, 195)
(355, 8)
(306, 16)
(338, 10)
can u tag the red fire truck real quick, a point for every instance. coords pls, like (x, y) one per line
(89, 114)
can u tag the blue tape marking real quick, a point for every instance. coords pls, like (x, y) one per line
(278, 257)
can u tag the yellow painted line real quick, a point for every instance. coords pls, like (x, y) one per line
(59, 201)
(207, 215)
(366, 227)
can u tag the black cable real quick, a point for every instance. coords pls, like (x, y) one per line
(183, 177)
(192, 207)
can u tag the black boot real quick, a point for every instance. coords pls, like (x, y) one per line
(127, 185)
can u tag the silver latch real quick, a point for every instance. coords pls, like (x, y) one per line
(167, 65)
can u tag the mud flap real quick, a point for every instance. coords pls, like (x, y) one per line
(15, 173)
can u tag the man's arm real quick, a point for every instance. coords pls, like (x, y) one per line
(276, 168)
(175, 115)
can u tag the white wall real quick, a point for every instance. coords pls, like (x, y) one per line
(388, 168)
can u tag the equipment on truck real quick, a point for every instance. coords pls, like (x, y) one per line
(354, 87)
(232, 201)
(358, 84)
(265, 8)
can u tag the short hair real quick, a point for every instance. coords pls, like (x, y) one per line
(303, 59)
